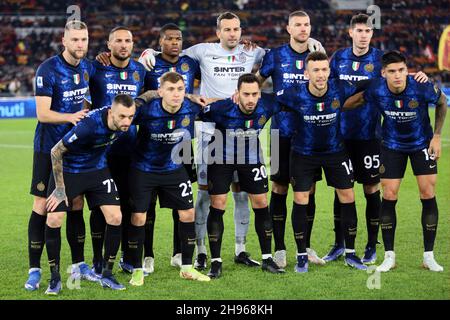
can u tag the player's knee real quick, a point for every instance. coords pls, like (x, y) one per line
(77, 203)
(39, 204)
(219, 201)
(390, 194)
(187, 215)
(346, 195)
(259, 201)
(371, 188)
(55, 219)
(114, 218)
(138, 219)
(427, 193)
(279, 188)
(301, 197)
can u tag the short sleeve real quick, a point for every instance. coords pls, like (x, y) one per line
(259, 55)
(432, 93)
(195, 52)
(44, 82)
(267, 66)
(78, 134)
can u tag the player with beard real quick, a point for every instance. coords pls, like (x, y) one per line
(61, 86)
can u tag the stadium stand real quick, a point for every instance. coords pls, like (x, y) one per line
(32, 29)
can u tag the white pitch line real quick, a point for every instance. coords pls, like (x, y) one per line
(16, 146)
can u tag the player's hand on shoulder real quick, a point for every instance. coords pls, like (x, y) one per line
(147, 59)
(235, 97)
(248, 44)
(315, 45)
(76, 117)
(198, 99)
(421, 77)
(104, 58)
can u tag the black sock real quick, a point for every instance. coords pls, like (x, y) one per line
(388, 223)
(36, 238)
(149, 230)
(112, 244)
(338, 233)
(263, 226)
(373, 208)
(278, 211)
(76, 234)
(300, 225)
(126, 221)
(215, 231)
(53, 245)
(310, 213)
(430, 215)
(135, 244)
(186, 231)
(349, 224)
(176, 238)
(97, 223)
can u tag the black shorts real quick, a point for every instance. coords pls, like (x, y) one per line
(252, 178)
(282, 175)
(42, 169)
(393, 163)
(98, 187)
(119, 166)
(337, 167)
(365, 156)
(174, 189)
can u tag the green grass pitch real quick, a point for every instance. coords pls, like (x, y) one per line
(333, 281)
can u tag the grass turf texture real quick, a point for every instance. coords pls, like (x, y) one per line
(333, 281)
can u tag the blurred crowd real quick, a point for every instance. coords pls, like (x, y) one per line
(32, 29)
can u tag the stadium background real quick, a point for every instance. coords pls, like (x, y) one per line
(31, 32)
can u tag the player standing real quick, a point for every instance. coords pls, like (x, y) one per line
(123, 76)
(61, 86)
(406, 133)
(286, 66)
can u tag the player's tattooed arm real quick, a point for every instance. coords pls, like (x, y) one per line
(354, 101)
(146, 97)
(441, 111)
(261, 79)
(59, 194)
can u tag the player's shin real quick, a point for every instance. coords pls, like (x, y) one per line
(373, 207)
(201, 216)
(338, 231)
(263, 226)
(76, 234)
(112, 243)
(310, 214)
(176, 237)
(278, 210)
(36, 237)
(349, 224)
(241, 220)
(98, 224)
(388, 223)
(135, 245)
(53, 246)
(215, 231)
(186, 231)
(149, 230)
(429, 222)
(300, 226)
